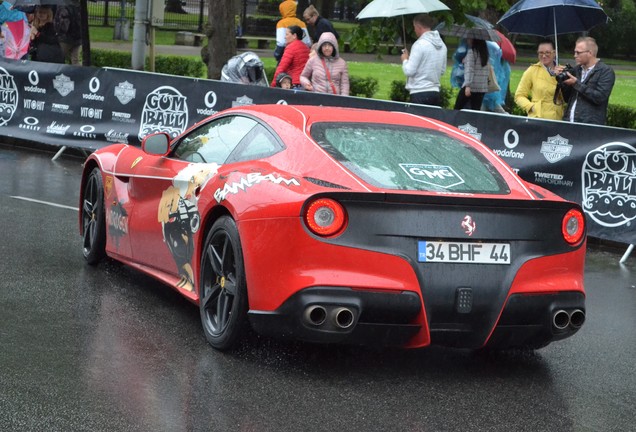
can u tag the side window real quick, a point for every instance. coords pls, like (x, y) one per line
(214, 141)
(259, 143)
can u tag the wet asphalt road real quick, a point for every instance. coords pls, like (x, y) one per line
(107, 349)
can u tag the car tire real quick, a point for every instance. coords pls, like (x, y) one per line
(93, 218)
(222, 288)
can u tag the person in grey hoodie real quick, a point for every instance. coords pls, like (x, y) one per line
(426, 62)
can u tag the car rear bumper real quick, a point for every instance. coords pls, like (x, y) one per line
(391, 319)
(344, 315)
(529, 320)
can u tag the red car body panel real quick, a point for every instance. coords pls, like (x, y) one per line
(266, 197)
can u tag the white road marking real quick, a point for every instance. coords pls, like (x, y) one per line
(45, 203)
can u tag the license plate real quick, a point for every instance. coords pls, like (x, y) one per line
(461, 252)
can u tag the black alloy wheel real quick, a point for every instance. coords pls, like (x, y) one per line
(93, 218)
(223, 291)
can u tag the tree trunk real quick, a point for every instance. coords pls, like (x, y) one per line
(86, 40)
(221, 36)
(301, 6)
(327, 8)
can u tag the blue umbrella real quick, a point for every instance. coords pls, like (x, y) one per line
(553, 17)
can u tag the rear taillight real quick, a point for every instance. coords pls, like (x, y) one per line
(573, 226)
(325, 217)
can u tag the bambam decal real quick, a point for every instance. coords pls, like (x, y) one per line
(179, 217)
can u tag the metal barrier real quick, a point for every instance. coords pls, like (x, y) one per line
(109, 13)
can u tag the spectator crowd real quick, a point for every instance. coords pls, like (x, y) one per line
(308, 59)
(47, 33)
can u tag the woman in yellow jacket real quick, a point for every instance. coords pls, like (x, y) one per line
(535, 93)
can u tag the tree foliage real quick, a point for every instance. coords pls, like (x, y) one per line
(616, 38)
(390, 30)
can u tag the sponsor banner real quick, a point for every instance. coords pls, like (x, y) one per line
(90, 108)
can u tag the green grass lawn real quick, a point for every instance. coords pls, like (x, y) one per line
(624, 92)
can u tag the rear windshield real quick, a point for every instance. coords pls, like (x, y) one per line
(409, 158)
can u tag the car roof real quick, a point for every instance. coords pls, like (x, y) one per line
(309, 114)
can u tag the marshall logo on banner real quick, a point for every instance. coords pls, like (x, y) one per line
(90, 108)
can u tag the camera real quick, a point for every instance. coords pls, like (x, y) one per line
(563, 75)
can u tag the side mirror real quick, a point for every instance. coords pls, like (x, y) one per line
(156, 144)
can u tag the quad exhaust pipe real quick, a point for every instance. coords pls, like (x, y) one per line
(315, 315)
(561, 319)
(341, 317)
(577, 318)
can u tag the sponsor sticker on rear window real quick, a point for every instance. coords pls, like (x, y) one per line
(437, 175)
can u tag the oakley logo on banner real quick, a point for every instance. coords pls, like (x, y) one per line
(556, 148)
(86, 131)
(63, 85)
(30, 123)
(165, 110)
(609, 184)
(470, 130)
(8, 96)
(125, 92)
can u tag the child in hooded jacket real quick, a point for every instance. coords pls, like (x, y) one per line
(326, 72)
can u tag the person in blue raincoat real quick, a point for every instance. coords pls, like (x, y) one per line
(496, 100)
(15, 32)
(7, 14)
(492, 101)
(457, 72)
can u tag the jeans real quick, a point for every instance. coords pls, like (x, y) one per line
(427, 98)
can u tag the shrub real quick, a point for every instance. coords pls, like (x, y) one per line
(176, 65)
(621, 116)
(108, 58)
(269, 73)
(171, 65)
(363, 87)
(400, 94)
(517, 110)
(617, 115)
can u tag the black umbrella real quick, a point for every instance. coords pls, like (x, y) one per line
(553, 17)
(475, 28)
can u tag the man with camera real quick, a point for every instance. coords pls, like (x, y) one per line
(586, 87)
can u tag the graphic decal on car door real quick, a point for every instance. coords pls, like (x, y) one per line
(179, 216)
(116, 214)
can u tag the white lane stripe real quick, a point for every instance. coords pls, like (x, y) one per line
(45, 202)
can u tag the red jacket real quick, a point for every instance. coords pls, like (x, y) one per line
(293, 62)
